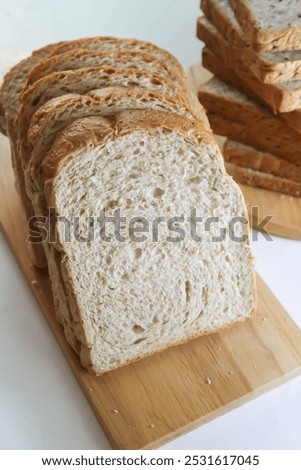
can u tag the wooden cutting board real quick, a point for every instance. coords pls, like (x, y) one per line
(158, 398)
(285, 210)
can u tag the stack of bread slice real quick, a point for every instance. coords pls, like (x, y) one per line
(101, 125)
(254, 99)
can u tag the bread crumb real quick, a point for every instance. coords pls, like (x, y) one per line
(34, 282)
(115, 411)
(254, 366)
(237, 351)
(133, 428)
(90, 389)
(219, 348)
(231, 372)
(208, 381)
(151, 426)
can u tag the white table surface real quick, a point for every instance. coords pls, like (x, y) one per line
(41, 404)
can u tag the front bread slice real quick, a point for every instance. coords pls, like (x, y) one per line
(140, 295)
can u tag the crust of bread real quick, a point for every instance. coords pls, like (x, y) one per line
(252, 136)
(266, 39)
(75, 137)
(251, 157)
(258, 179)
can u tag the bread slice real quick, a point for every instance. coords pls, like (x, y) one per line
(251, 136)
(255, 159)
(267, 130)
(281, 97)
(216, 66)
(113, 44)
(268, 67)
(270, 25)
(258, 179)
(59, 112)
(79, 58)
(144, 297)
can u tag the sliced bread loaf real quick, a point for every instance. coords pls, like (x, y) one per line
(254, 136)
(133, 287)
(268, 67)
(281, 97)
(259, 179)
(251, 157)
(270, 25)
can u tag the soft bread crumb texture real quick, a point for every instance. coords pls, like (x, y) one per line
(136, 298)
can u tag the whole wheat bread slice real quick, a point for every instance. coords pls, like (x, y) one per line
(270, 25)
(259, 179)
(268, 67)
(122, 281)
(260, 127)
(255, 159)
(281, 97)
(251, 136)
(216, 66)
(113, 44)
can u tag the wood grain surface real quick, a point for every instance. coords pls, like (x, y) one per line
(158, 398)
(285, 210)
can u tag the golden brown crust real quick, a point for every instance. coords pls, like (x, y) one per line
(53, 108)
(83, 80)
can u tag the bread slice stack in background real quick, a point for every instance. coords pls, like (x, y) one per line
(104, 124)
(254, 99)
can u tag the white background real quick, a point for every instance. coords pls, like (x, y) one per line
(41, 405)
